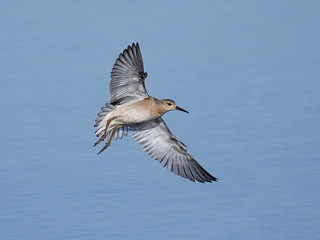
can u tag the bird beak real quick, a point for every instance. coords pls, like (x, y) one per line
(181, 109)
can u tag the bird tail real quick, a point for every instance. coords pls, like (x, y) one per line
(101, 122)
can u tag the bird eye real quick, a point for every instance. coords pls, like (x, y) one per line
(169, 103)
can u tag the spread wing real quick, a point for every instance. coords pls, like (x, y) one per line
(127, 77)
(158, 141)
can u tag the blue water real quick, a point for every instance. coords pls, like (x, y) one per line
(248, 73)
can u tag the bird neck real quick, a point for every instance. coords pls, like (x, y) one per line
(158, 107)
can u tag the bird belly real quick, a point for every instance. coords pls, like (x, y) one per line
(132, 114)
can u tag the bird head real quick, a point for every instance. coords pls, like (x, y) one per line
(169, 105)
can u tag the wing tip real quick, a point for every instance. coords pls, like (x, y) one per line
(133, 45)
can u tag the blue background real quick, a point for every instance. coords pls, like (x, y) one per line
(248, 73)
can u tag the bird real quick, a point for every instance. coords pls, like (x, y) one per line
(131, 109)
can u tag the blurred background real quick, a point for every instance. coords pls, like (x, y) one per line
(248, 73)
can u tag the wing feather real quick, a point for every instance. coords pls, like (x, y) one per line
(127, 77)
(158, 141)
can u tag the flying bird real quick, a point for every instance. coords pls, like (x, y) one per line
(131, 109)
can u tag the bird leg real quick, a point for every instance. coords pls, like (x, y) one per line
(109, 142)
(105, 131)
